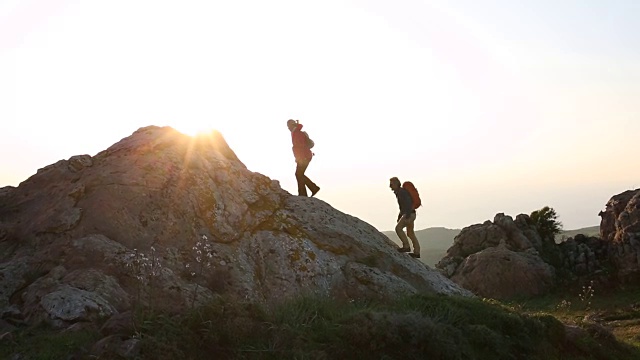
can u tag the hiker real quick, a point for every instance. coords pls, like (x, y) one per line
(406, 218)
(302, 145)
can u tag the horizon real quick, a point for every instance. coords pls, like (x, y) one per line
(487, 108)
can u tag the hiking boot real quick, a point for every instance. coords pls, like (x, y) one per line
(315, 191)
(414, 255)
(404, 249)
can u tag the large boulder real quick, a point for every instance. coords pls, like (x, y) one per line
(169, 221)
(501, 259)
(501, 273)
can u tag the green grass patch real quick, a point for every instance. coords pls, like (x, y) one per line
(43, 343)
(414, 327)
(425, 327)
(615, 309)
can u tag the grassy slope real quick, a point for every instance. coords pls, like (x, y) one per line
(435, 241)
(416, 327)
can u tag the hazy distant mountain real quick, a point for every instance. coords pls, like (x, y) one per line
(589, 231)
(435, 241)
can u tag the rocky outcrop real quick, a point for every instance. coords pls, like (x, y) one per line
(621, 217)
(500, 259)
(169, 221)
(586, 258)
(620, 226)
(506, 258)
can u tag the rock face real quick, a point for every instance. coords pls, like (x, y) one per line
(620, 226)
(621, 218)
(167, 220)
(503, 273)
(500, 259)
(585, 259)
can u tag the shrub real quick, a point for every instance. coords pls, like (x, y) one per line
(546, 222)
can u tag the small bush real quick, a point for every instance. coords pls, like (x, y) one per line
(546, 222)
(587, 295)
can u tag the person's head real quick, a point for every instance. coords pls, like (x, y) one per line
(394, 183)
(291, 124)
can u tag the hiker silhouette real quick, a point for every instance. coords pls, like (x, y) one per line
(302, 145)
(406, 217)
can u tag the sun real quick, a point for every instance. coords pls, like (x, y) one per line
(193, 128)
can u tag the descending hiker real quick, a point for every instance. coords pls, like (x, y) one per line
(406, 218)
(302, 145)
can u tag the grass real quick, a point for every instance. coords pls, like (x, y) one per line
(41, 343)
(616, 309)
(415, 327)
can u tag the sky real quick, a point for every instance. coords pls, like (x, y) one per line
(486, 106)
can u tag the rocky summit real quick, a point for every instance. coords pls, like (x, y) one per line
(164, 218)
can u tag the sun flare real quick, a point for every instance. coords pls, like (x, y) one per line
(194, 129)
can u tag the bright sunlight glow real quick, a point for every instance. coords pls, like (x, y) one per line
(192, 128)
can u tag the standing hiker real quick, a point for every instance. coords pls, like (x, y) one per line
(302, 145)
(407, 215)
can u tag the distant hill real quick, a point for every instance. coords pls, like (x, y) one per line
(588, 231)
(435, 241)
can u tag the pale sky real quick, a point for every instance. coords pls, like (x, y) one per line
(487, 106)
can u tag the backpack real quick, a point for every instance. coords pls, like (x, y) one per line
(415, 197)
(310, 142)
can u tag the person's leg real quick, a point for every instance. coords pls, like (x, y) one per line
(300, 178)
(402, 223)
(412, 235)
(307, 182)
(310, 184)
